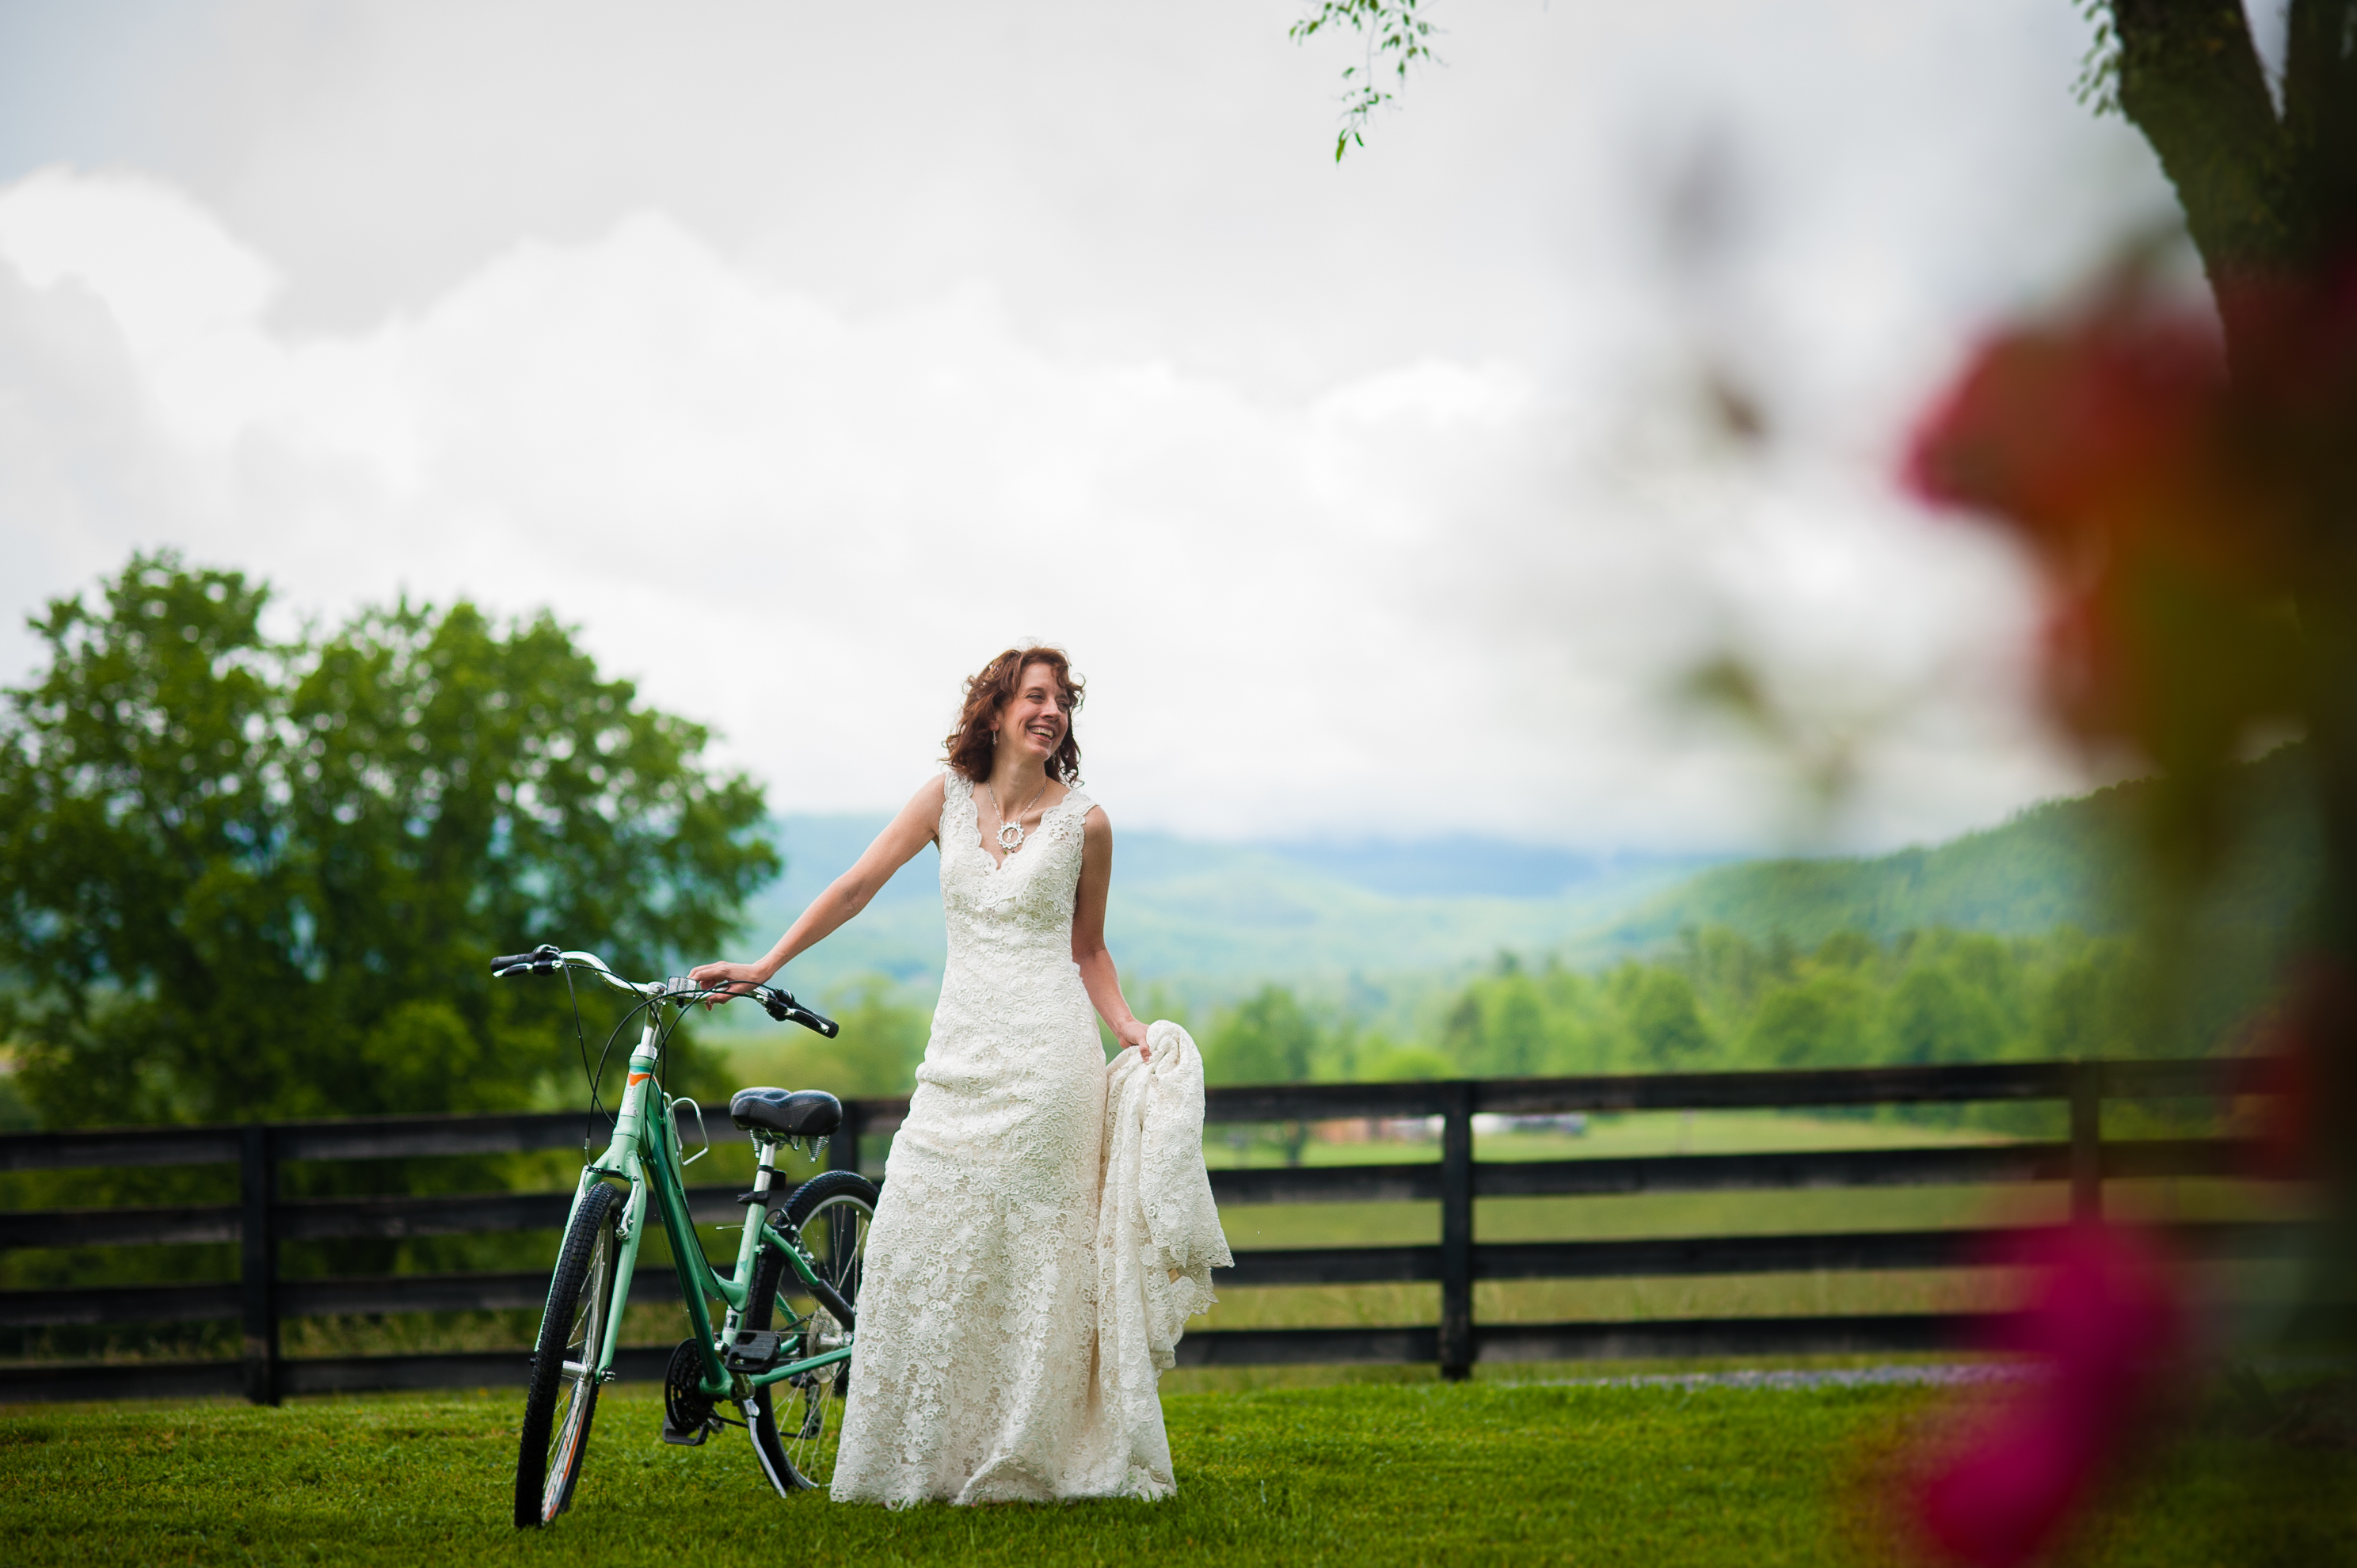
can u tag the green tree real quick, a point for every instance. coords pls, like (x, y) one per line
(1931, 1016)
(1818, 1022)
(1518, 1046)
(2071, 1014)
(1383, 1062)
(241, 877)
(1846, 950)
(1269, 1039)
(877, 1054)
(1498, 1027)
(1465, 1036)
(1667, 1021)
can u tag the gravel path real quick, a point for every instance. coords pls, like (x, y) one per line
(1936, 1373)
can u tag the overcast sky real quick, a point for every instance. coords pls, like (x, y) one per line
(803, 355)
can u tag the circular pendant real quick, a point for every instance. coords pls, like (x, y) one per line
(1010, 836)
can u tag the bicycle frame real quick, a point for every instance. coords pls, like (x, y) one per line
(645, 1153)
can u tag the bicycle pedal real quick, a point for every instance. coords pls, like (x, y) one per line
(690, 1439)
(753, 1350)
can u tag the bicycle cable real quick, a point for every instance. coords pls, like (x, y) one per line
(605, 1054)
(581, 1039)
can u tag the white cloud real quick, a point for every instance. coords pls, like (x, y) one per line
(1345, 547)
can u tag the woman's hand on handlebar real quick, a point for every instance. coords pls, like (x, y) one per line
(736, 978)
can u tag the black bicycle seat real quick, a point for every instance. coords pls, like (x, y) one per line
(786, 1112)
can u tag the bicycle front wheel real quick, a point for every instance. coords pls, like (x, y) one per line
(563, 1395)
(797, 1424)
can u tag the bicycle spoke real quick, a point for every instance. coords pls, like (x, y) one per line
(804, 1419)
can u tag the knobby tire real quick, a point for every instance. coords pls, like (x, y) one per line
(558, 1405)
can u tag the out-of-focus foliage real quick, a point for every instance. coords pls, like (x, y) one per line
(2186, 481)
(1268, 1039)
(883, 1039)
(247, 877)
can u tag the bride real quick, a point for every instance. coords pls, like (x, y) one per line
(977, 1376)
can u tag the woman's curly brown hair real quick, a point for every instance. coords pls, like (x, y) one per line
(986, 695)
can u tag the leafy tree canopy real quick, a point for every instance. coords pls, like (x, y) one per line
(1269, 1039)
(243, 876)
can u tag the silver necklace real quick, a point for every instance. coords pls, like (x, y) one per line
(1012, 826)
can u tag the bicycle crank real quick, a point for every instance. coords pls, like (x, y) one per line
(688, 1415)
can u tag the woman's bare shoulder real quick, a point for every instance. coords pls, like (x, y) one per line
(923, 810)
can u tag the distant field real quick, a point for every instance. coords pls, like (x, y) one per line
(1646, 1133)
(1651, 1477)
(1315, 1225)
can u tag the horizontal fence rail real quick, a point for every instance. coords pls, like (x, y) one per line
(261, 1220)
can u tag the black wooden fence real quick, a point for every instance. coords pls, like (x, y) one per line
(260, 1299)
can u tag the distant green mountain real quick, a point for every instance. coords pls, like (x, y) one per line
(1208, 921)
(2067, 862)
(1374, 927)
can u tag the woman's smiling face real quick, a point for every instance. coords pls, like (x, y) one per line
(1034, 719)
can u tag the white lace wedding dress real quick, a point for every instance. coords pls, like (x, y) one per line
(977, 1376)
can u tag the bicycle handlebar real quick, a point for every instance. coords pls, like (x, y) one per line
(548, 959)
(781, 1005)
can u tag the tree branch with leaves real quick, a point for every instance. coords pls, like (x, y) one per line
(1398, 36)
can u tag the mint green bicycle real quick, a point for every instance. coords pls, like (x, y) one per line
(780, 1355)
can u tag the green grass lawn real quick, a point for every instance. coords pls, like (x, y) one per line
(1484, 1472)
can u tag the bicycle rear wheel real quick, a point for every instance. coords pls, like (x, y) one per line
(797, 1424)
(563, 1394)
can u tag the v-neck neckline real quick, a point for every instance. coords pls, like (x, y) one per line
(996, 864)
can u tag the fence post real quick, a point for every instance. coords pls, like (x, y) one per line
(2086, 1141)
(842, 1149)
(258, 1261)
(1456, 1231)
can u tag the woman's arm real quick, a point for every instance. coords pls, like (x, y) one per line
(1088, 932)
(916, 826)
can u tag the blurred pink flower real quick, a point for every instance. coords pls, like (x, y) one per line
(2105, 1321)
(2168, 505)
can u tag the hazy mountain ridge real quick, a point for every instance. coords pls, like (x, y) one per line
(1371, 923)
(2065, 863)
(1213, 919)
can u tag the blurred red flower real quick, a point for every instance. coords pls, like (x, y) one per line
(2162, 499)
(2105, 1321)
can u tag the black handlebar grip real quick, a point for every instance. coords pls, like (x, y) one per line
(781, 1005)
(542, 960)
(819, 1021)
